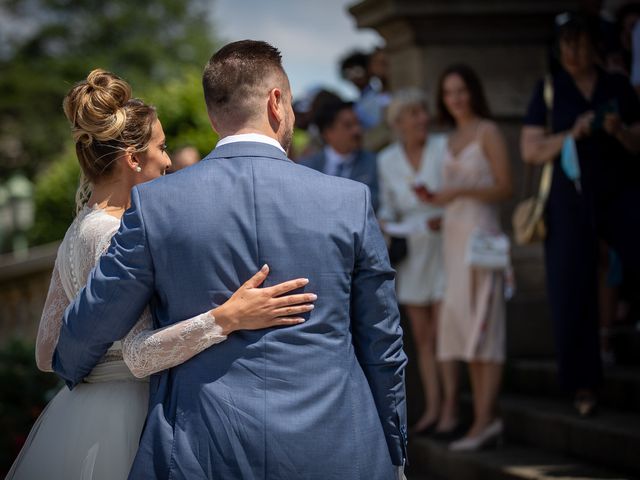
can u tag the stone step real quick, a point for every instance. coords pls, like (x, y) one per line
(539, 377)
(431, 459)
(610, 439)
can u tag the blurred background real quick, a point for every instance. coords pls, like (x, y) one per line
(160, 47)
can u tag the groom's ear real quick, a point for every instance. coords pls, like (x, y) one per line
(275, 104)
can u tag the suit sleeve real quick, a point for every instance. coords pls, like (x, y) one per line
(377, 334)
(117, 291)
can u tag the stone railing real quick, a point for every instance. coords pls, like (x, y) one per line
(23, 288)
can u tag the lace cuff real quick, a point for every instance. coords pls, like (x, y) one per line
(147, 351)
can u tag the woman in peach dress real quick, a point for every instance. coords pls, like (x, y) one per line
(476, 178)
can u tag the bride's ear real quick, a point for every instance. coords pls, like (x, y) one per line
(132, 161)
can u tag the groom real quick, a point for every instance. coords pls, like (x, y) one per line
(320, 400)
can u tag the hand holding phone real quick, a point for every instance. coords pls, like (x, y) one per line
(423, 193)
(603, 111)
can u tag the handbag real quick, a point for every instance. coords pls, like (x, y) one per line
(488, 250)
(528, 216)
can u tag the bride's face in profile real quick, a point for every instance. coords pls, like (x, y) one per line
(154, 161)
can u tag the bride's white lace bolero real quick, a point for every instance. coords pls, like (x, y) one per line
(144, 350)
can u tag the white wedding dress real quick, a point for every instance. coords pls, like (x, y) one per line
(92, 432)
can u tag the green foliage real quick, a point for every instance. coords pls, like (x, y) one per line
(55, 199)
(181, 109)
(25, 392)
(158, 46)
(145, 42)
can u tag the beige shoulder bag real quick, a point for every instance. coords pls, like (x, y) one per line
(528, 216)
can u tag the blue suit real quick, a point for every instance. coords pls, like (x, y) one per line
(364, 170)
(321, 400)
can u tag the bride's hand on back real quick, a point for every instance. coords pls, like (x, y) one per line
(253, 308)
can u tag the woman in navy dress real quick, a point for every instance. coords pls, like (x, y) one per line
(602, 113)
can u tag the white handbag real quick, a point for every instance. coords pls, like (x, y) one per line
(488, 250)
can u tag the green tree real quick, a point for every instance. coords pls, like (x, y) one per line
(182, 111)
(54, 198)
(146, 42)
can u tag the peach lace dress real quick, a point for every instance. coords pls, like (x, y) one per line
(472, 320)
(92, 432)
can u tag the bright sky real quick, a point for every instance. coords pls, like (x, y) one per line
(312, 36)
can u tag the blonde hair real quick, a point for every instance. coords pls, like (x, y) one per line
(105, 121)
(403, 99)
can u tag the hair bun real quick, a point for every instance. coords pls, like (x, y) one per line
(95, 107)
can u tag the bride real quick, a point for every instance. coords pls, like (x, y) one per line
(92, 432)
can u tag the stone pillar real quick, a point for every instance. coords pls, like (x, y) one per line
(505, 41)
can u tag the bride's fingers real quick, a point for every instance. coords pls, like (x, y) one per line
(294, 299)
(287, 321)
(285, 287)
(258, 278)
(294, 310)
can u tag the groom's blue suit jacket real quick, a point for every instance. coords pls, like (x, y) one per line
(322, 400)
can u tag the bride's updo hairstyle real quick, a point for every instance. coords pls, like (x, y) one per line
(105, 122)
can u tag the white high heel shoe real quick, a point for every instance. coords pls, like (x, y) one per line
(492, 433)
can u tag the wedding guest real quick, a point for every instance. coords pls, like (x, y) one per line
(627, 18)
(342, 154)
(596, 120)
(184, 157)
(415, 161)
(306, 109)
(476, 179)
(369, 74)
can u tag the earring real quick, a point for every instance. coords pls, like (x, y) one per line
(138, 169)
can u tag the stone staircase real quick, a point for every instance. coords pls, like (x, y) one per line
(544, 438)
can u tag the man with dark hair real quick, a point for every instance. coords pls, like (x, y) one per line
(368, 74)
(342, 154)
(184, 157)
(355, 68)
(323, 399)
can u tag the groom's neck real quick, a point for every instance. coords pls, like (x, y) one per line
(262, 131)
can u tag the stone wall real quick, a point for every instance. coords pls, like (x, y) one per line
(23, 288)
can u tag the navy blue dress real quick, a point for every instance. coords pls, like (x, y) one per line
(576, 220)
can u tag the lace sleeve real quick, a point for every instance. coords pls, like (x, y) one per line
(50, 322)
(148, 351)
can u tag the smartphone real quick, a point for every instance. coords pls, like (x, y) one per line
(423, 192)
(601, 111)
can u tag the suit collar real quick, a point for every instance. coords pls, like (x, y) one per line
(247, 149)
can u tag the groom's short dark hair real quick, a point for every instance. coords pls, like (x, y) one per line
(236, 77)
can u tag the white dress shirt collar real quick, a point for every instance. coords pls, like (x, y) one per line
(250, 137)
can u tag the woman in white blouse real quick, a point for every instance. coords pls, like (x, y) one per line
(414, 162)
(92, 431)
